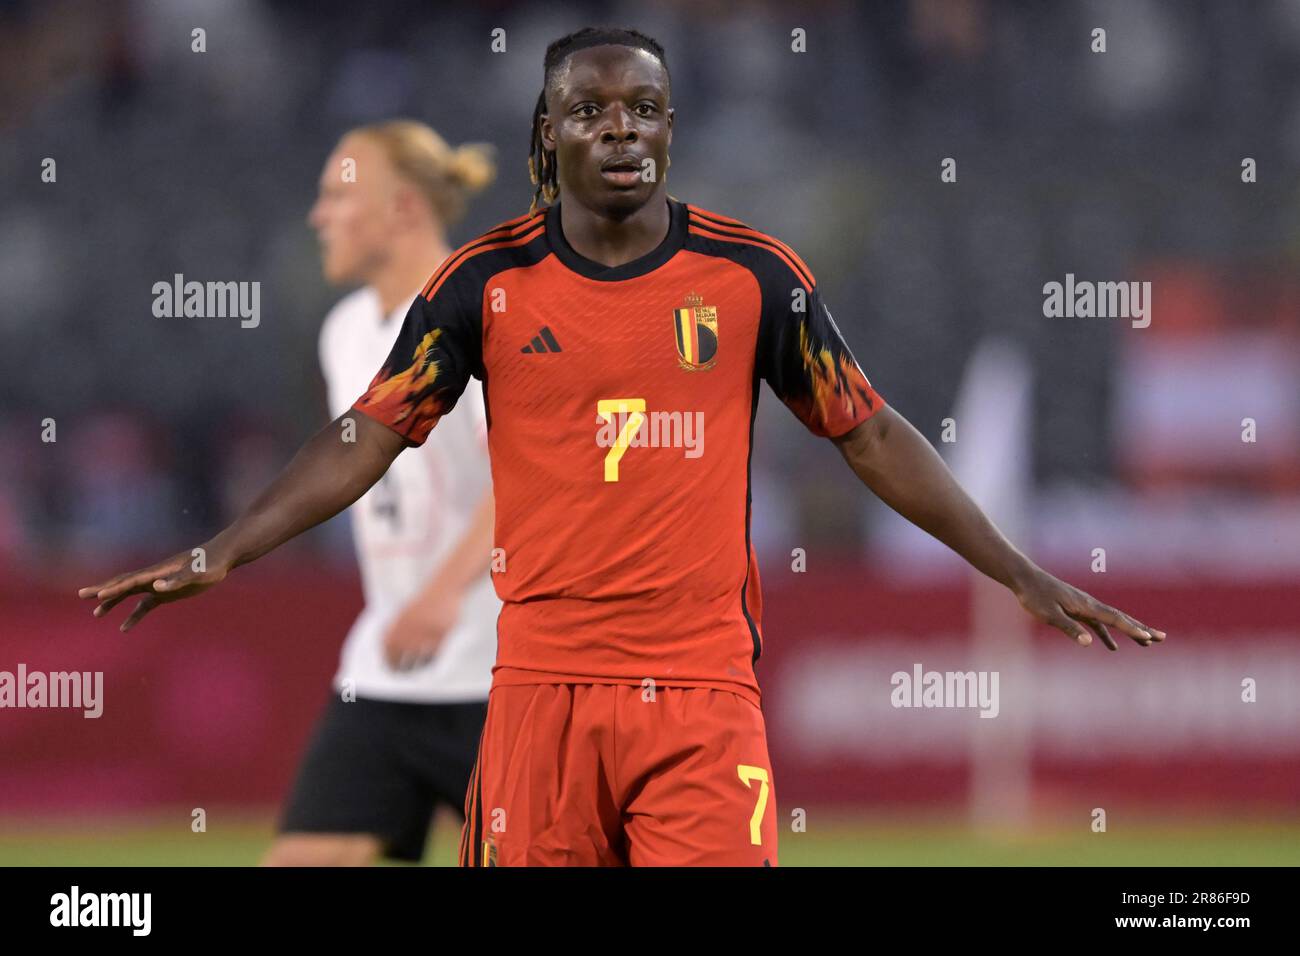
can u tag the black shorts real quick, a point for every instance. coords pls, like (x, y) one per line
(381, 767)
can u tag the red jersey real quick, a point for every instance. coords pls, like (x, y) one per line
(620, 407)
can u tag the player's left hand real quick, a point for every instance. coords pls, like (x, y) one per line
(1054, 602)
(414, 637)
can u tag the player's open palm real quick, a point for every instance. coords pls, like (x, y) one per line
(1054, 602)
(181, 576)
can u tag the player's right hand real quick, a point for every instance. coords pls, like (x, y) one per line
(161, 583)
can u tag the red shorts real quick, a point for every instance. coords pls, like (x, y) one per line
(615, 775)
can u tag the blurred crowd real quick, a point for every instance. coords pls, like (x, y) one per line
(1117, 165)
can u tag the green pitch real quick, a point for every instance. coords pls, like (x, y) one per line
(844, 842)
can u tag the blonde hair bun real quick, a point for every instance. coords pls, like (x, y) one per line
(446, 177)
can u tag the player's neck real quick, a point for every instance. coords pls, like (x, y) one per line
(610, 241)
(407, 270)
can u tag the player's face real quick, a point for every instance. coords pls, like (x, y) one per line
(354, 210)
(607, 113)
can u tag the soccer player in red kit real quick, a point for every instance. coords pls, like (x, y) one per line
(621, 337)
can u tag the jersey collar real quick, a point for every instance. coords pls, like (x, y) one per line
(678, 220)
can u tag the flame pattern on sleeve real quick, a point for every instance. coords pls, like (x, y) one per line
(412, 401)
(832, 395)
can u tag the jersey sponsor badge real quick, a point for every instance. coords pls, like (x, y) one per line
(696, 329)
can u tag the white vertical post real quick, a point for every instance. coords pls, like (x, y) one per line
(991, 459)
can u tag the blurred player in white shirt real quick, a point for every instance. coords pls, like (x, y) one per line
(401, 730)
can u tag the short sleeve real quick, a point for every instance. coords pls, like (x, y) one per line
(438, 349)
(803, 357)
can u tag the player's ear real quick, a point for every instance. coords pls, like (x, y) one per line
(542, 115)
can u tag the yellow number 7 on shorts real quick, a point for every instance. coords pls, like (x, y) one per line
(605, 408)
(747, 774)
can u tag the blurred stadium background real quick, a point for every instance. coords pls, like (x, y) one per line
(1077, 434)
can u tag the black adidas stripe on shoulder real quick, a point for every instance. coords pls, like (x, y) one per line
(714, 234)
(519, 241)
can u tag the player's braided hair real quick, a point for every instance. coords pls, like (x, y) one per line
(541, 161)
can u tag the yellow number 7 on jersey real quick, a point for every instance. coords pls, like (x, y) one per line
(605, 408)
(747, 775)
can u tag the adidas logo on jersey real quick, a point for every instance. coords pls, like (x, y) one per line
(543, 341)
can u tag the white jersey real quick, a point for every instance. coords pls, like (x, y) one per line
(407, 523)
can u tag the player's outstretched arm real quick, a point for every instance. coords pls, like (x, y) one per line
(327, 474)
(895, 461)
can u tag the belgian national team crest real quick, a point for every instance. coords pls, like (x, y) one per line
(696, 327)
